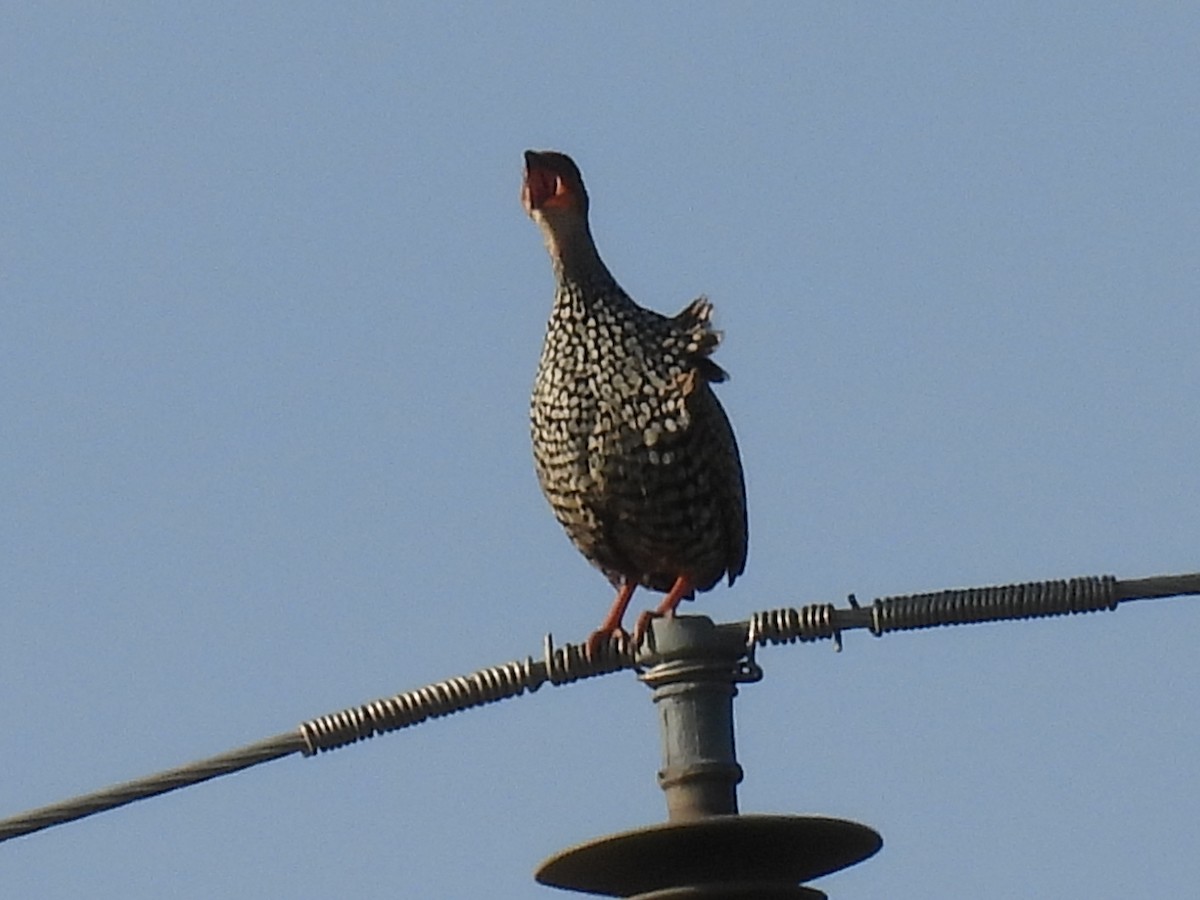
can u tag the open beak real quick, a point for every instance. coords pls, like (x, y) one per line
(542, 185)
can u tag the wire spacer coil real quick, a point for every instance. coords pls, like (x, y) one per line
(814, 622)
(1011, 601)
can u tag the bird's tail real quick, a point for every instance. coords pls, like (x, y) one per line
(695, 320)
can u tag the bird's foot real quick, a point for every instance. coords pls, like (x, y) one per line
(681, 589)
(605, 641)
(642, 627)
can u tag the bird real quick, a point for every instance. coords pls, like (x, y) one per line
(632, 449)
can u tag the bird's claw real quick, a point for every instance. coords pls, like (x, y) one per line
(605, 640)
(643, 626)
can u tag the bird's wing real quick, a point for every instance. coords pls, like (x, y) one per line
(714, 431)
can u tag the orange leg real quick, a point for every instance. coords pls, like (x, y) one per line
(611, 627)
(681, 588)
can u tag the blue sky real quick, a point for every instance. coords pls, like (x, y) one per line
(270, 320)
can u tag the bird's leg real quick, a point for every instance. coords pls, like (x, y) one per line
(611, 626)
(679, 590)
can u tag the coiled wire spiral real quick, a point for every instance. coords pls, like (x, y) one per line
(1008, 601)
(560, 665)
(1034, 599)
(817, 621)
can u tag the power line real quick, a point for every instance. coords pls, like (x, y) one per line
(563, 665)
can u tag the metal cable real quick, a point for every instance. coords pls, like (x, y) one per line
(559, 665)
(563, 665)
(159, 783)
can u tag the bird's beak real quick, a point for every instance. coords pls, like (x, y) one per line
(540, 188)
(543, 187)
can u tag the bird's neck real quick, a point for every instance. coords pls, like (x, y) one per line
(575, 259)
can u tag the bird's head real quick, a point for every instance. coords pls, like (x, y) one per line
(555, 198)
(553, 190)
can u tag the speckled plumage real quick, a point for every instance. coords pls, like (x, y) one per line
(632, 448)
